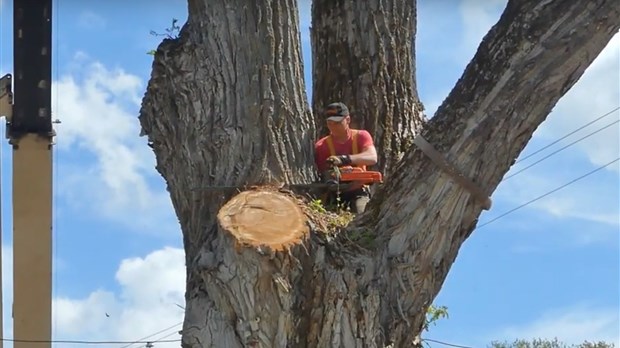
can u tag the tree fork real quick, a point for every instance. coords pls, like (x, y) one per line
(217, 112)
(364, 55)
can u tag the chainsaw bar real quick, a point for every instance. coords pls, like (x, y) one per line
(330, 187)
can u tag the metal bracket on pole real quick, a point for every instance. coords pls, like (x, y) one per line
(452, 171)
(6, 97)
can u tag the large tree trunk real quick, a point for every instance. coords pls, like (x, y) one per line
(265, 271)
(226, 106)
(363, 55)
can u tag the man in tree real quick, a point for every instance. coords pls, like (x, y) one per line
(345, 146)
(230, 124)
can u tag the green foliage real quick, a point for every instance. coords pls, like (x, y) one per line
(341, 219)
(171, 33)
(334, 219)
(545, 343)
(316, 205)
(433, 314)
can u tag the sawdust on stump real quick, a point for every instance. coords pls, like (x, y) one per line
(264, 218)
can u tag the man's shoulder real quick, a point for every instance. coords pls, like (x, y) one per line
(363, 133)
(321, 142)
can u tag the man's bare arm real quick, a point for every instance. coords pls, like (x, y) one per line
(367, 157)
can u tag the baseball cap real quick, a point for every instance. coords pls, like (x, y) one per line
(336, 111)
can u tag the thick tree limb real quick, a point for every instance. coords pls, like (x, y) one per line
(218, 111)
(526, 63)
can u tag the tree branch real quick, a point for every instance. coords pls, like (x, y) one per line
(525, 64)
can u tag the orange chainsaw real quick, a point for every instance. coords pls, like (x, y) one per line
(336, 179)
(345, 177)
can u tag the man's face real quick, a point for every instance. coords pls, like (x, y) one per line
(338, 127)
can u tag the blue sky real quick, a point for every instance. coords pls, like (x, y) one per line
(549, 269)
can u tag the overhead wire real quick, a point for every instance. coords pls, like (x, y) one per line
(445, 343)
(142, 340)
(83, 342)
(163, 340)
(560, 149)
(547, 193)
(151, 335)
(159, 340)
(550, 192)
(569, 134)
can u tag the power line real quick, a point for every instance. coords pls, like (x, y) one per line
(548, 193)
(567, 135)
(151, 335)
(80, 341)
(445, 343)
(560, 149)
(85, 342)
(150, 344)
(162, 339)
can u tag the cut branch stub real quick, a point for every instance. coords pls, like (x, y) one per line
(264, 218)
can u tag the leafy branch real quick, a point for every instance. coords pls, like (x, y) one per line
(171, 33)
(433, 314)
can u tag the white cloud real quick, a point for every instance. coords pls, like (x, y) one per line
(150, 290)
(90, 20)
(572, 325)
(595, 198)
(454, 33)
(108, 168)
(594, 95)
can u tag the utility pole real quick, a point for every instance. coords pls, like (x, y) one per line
(29, 130)
(6, 110)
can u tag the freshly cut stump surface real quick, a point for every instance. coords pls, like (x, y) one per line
(264, 218)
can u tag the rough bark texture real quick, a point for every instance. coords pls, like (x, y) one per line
(226, 106)
(524, 65)
(215, 111)
(363, 55)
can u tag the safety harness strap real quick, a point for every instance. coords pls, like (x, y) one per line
(330, 145)
(332, 149)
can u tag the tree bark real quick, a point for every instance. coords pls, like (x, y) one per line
(363, 55)
(534, 54)
(226, 106)
(217, 112)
